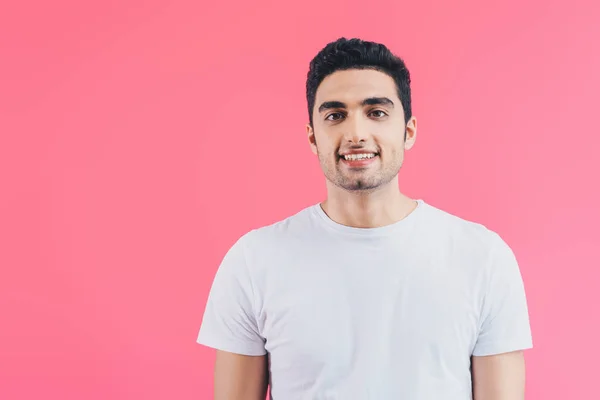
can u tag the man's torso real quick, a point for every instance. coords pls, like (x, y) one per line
(345, 315)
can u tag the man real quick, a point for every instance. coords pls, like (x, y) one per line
(369, 294)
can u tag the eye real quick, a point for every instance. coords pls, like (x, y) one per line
(378, 113)
(336, 116)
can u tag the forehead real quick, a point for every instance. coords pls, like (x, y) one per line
(355, 85)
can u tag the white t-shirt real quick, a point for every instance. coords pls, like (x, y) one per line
(381, 313)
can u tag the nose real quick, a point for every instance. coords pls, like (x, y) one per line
(355, 130)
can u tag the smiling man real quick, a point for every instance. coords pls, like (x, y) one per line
(368, 294)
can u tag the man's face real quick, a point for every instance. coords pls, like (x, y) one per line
(358, 129)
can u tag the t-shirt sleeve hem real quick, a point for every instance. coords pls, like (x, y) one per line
(501, 348)
(230, 347)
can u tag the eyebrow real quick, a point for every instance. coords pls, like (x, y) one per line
(371, 101)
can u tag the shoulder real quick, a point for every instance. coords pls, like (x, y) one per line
(280, 232)
(460, 233)
(450, 223)
(470, 246)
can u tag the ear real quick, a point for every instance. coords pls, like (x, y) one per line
(312, 140)
(411, 133)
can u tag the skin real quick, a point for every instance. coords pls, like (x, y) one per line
(362, 197)
(240, 377)
(499, 377)
(361, 110)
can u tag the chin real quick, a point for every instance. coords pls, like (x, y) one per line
(358, 185)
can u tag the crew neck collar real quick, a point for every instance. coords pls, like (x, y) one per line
(378, 231)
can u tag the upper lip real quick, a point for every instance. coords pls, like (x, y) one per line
(357, 151)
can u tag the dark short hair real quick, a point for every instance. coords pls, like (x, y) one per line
(345, 54)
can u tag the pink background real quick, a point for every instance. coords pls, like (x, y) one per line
(139, 139)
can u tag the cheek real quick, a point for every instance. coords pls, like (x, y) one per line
(326, 148)
(327, 155)
(392, 145)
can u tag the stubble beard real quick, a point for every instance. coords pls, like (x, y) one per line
(368, 180)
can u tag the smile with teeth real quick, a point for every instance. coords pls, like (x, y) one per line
(355, 157)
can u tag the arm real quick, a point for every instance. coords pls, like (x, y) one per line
(231, 327)
(240, 377)
(498, 364)
(499, 377)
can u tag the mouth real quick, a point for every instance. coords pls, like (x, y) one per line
(358, 159)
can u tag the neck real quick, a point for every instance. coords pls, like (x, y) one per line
(371, 209)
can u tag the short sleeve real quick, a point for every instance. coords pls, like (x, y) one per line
(504, 325)
(229, 321)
